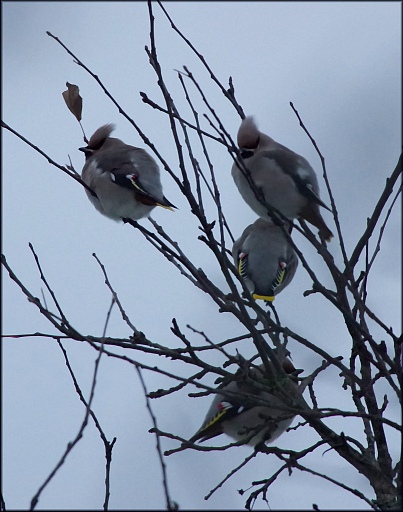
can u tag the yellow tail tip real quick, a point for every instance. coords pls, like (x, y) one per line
(263, 297)
(172, 209)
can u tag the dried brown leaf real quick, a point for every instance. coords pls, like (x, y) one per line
(73, 100)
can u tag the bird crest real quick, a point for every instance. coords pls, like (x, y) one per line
(99, 136)
(248, 134)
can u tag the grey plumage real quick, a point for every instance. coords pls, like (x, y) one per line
(286, 180)
(265, 259)
(125, 179)
(238, 417)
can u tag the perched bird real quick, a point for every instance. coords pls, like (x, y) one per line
(237, 416)
(265, 259)
(125, 179)
(285, 179)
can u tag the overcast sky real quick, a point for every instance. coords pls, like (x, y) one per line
(340, 64)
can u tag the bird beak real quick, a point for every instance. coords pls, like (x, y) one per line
(87, 152)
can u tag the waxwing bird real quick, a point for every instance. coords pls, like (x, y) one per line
(265, 259)
(285, 179)
(125, 179)
(237, 416)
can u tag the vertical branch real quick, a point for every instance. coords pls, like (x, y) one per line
(215, 193)
(221, 258)
(374, 218)
(170, 505)
(107, 445)
(71, 445)
(325, 177)
(230, 93)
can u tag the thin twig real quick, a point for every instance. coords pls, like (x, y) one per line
(72, 174)
(107, 445)
(325, 177)
(374, 217)
(231, 473)
(116, 298)
(80, 433)
(229, 94)
(170, 505)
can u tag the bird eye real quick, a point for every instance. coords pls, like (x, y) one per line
(246, 153)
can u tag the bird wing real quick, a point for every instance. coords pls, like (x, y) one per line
(281, 273)
(143, 196)
(306, 188)
(212, 426)
(300, 171)
(124, 175)
(243, 264)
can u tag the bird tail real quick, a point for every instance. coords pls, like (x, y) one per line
(143, 196)
(267, 298)
(167, 204)
(325, 234)
(312, 214)
(315, 197)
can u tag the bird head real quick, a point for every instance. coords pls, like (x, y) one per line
(250, 139)
(98, 140)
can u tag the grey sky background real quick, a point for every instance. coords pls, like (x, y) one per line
(340, 64)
